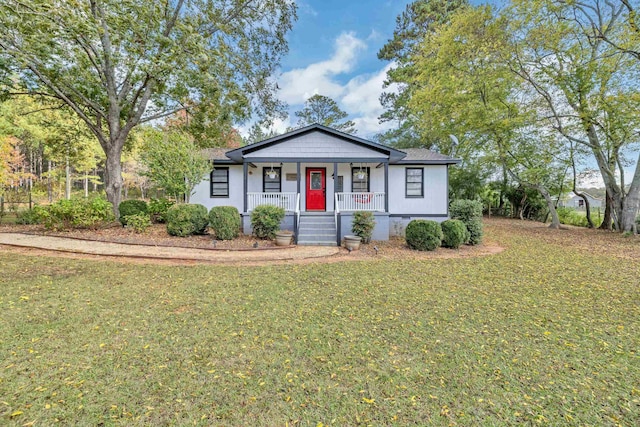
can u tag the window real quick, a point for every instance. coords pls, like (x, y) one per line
(271, 185)
(339, 184)
(220, 182)
(360, 184)
(414, 182)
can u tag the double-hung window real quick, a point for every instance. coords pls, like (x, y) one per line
(414, 182)
(219, 182)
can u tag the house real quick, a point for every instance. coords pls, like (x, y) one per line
(321, 176)
(576, 202)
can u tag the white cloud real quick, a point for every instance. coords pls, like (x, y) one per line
(301, 83)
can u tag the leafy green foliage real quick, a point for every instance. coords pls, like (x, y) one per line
(158, 209)
(185, 220)
(470, 213)
(76, 213)
(363, 224)
(265, 220)
(29, 216)
(138, 222)
(423, 235)
(225, 222)
(325, 111)
(454, 233)
(571, 216)
(174, 162)
(130, 208)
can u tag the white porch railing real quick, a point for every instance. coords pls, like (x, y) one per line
(287, 201)
(360, 201)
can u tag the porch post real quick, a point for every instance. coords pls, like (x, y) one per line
(298, 175)
(245, 183)
(335, 179)
(386, 186)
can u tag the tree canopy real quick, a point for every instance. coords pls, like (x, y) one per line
(325, 111)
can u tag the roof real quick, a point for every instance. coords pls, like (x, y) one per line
(406, 156)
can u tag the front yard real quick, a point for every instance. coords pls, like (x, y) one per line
(545, 332)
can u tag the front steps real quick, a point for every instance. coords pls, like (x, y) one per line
(317, 230)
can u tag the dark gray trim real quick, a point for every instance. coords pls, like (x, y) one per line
(447, 191)
(239, 153)
(335, 179)
(224, 162)
(211, 195)
(386, 187)
(298, 176)
(417, 215)
(339, 230)
(406, 189)
(315, 159)
(368, 169)
(266, 169)
(245, 184)
(428, 162)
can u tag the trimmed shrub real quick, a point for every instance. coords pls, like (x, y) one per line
(265, 220)
(423, 235)
(363, 224)
(186, 220)
(76, 213)
(454, 233)
(131, 207)
(225, 222)
(470, 213)
(157, 209)
(138, 222)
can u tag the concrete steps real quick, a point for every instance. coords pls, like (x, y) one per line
(317, 230)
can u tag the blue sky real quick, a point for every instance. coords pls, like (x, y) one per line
(333, 52)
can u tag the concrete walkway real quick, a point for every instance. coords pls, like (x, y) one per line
(63, 244)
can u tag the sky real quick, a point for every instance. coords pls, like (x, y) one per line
(333, 52)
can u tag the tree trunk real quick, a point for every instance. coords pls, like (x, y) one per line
(113, 177)
(86, 184)
(587, 207)
(606, 220)
(631, 204)
(67, 180)
(49, 184)
(555, 220)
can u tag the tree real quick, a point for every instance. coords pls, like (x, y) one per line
(412, 26)
(588, 86)
(173, 161)
(120, 63)
(324, 110)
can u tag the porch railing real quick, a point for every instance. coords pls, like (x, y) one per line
(360, 202)
(287, 201)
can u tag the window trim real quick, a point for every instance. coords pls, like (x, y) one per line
(264, 175)
(406, 184)
(368, 171)
(226, 169)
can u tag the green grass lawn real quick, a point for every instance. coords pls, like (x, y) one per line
(542, 333)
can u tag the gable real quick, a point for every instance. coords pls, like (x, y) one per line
(315, 144)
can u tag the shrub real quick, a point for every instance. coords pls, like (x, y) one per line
(225, 222)
(571, 217)
(363, 225)
(265, 220)
(474, 228)
(76, 213)
(185, 220)
(129, 208)
(454, 233)
(157, 208)
(30, 216)
(470, 213)
(137, 222)
(423, 235)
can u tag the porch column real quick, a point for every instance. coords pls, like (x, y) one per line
(335, 179)
(245, 183)
(386, 186)
(298, 176)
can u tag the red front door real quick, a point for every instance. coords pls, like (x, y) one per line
(316, 189)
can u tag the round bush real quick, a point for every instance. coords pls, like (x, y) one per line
(185, 220)
(265, 220)
(225, 222)
(138, 223)
(475, 231)
(465, 210)
(423, 235)
(454, 233)
(158, 209)
(130, 208)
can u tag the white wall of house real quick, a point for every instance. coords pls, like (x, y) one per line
(202, 191)
(434, 201)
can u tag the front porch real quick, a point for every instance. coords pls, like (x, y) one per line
(343, 202)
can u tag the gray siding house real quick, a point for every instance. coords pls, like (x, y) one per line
(321, 176)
